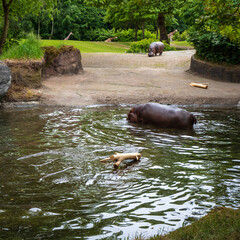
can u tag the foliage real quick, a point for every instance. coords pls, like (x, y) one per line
(86, 23)
(221, 223)
(143, 45)
(219, 16)
(223, 16)
(99, 34)
(214, 47)
(136, 14)
(14, 9)
(27, 49)
(215, 33)
(14, 35)
(192, 11)
(129, 35)
(89, 47)
(180, 36)
(167, 47)
(79, 19)
(10, 41)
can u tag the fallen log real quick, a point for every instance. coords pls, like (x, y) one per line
(200, 85)
(119, 157)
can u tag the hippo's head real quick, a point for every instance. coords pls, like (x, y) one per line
(132, 116)
(150, 52)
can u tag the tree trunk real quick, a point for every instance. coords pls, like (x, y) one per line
(136, 32)
(52, 29)
(163, 30)
(39, 28)
(143, 31)
(157, 33)
(5, 29)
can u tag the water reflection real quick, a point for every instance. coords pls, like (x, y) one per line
(53, 184)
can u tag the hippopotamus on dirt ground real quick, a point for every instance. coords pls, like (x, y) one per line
(154, 48)
(164, 116)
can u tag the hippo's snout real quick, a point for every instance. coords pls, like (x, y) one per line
(150, 54)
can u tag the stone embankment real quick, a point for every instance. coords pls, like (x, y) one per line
(27, 75)
(5, 78)
(215, 71)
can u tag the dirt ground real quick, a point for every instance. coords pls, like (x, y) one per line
(110, 78)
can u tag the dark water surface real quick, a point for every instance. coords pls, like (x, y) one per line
(53, 185)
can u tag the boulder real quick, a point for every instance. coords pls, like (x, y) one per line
(26, 73)
(5, 79)
(62, 61)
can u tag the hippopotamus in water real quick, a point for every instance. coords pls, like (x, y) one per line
(162, 116)
(154, 48)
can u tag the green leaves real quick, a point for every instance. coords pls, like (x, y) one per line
(213, 47)
(224, 17)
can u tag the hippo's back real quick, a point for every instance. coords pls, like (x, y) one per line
(156, 44)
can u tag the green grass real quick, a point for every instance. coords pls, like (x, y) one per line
(90, 47)
(28, 48)
(220, 224)
(183, 44)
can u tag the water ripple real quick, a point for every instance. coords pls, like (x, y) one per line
(53, 174)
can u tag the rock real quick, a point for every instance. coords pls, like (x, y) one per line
(26, 73)
(5, 79)
(62, 61)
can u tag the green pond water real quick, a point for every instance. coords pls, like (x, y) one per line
(53, 185)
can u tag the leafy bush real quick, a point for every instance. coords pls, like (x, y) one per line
(180, 36)
(143, 45)
(129, 35)
(27, 49)
(214, 47)
(99, 34)
(9, 43)
(167, 47)
(13, 38)
(126, 35)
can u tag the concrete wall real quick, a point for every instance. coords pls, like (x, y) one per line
(215, 71)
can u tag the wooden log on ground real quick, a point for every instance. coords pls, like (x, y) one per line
(200, 85)
(119, 157)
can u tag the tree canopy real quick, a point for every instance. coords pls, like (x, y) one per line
(15, 8)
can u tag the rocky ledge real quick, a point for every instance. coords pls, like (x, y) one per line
(5, 78)
(62, 61)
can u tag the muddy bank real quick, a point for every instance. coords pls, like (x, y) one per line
(134, 78)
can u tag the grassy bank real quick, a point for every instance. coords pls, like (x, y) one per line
(28, 48)
(219, 224)
(181, 45)
(90, 47)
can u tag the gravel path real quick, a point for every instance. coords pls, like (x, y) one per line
(110, 78)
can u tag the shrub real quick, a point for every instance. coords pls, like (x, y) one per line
(126, 35)
(167, 47)
(129, 35)
(143, 45)
(100, 34)
(27, 49)
(214, 47)
(180, 36)
(10, 41)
